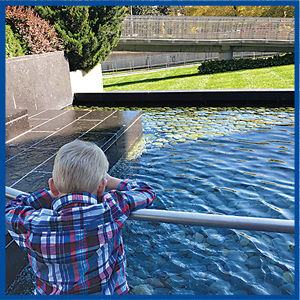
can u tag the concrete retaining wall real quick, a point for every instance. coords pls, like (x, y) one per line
(38, 82)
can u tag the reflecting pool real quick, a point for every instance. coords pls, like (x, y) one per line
(233, 161)
(227, 161)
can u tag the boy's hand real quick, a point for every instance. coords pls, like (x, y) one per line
(112, 182)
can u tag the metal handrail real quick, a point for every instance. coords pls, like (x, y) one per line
(200, 219)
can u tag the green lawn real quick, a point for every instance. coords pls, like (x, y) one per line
(188, 79)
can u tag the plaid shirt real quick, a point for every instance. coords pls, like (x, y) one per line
(74, 243)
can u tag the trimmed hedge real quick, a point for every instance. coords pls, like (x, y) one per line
(219, 66)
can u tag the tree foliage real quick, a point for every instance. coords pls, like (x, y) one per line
(89, 33)
(36, 35)
(239, 11)
(152, 10)
(12, 44)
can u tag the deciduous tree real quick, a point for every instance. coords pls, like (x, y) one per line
(36, 35)
(239, 11)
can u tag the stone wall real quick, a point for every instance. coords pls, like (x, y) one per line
(38, 82)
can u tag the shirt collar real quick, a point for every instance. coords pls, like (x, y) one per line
(68, 199)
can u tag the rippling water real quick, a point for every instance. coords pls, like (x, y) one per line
(227, 161)
(233, 162)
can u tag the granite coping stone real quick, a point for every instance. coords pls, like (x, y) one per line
(200, 98)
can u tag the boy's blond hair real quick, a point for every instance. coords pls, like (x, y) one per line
(79, 167)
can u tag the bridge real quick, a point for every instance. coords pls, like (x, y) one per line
(224, 35)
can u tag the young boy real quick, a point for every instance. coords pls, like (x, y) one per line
(72, 233)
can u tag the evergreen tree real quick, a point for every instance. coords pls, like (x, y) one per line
(89, 33)
(152, 10)
(12, 44)
(165, 10)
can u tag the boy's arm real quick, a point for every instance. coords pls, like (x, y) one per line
(18, 210)
(112, 182)
(130, 194)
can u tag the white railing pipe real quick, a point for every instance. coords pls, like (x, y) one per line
(201, 219)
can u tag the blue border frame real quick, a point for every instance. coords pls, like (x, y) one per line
(297, 152)
(152, 2)
(2, 137)
(171, 3)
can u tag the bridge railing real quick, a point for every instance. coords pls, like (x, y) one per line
(204, 28)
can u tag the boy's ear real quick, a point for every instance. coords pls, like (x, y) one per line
(52, 187)
(101, 188)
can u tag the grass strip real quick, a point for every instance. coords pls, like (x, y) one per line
(187, 78)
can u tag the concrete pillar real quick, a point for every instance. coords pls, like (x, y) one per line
(225, 53)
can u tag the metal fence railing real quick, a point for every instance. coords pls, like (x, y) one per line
(155, 61)
(201, 219)
(208, 28)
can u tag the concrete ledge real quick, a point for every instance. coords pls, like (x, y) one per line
(123, 140)
(200, 98)
(16, 123)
